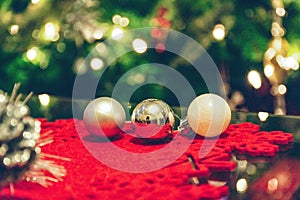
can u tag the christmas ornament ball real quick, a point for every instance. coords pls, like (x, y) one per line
(104, 117)
(150, 117)
(208, 115)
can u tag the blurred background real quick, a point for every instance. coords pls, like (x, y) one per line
(255, 44)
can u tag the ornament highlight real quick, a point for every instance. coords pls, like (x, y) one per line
(150, 117)
(104, 117)
(208, 115)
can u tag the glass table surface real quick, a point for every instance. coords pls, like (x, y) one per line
(277, 177)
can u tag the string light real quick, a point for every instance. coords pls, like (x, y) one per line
(270, 53)
(291, 63)
(269, 70)
(43, 60)
(160, 47)
(117, 34)
(97, 64)
(263, 116)
(280, 12)
(79, 66)
(282, 89)
(87, 34)
(242, 165)
(116, 19)
(14, 29)
(280, 60)
(102, 49)
(124, 21)
(51, 32)
(277, 30)
(32, 53)
(251, 169)
(44, 99)
(219, 32)
(98, 34)
(273, 184)
(35, 1)
(139, 45)
(254, 79)
(68, 34)
(276, 60)
(241, 185)
(61, 47)
(35, 33)
(78, 26)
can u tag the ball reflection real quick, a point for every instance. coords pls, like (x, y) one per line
(150, 117)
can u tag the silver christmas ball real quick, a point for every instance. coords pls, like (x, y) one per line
(104, 117)
(150, 117)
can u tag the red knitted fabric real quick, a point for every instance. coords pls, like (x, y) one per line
(87, 178)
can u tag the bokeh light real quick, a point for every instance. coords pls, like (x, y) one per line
(270, 53)
(160, 47)
(98, 34)
(280, 12)
(263, 116)
(269, 70)
(44, 99)
(124, 21)
(14, 29)
(117, 34)
(51, 32)
(291, 63)
(139, 45)
(254, 79)
(282, 89)
(219, 32)
(35, 1)
(272, 184)
(97, 64)
(35, 33)
(79, 66)
(32, 53)
(251, 169)
(242, 165)
(61, 47)
(241, 185)
(116, 19)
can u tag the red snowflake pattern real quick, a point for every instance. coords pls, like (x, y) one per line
(87, 178)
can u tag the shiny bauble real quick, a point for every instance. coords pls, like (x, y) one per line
(104, 117)
(150, 117)
(208, 115)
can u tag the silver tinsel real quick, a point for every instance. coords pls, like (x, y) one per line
(20, 142)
